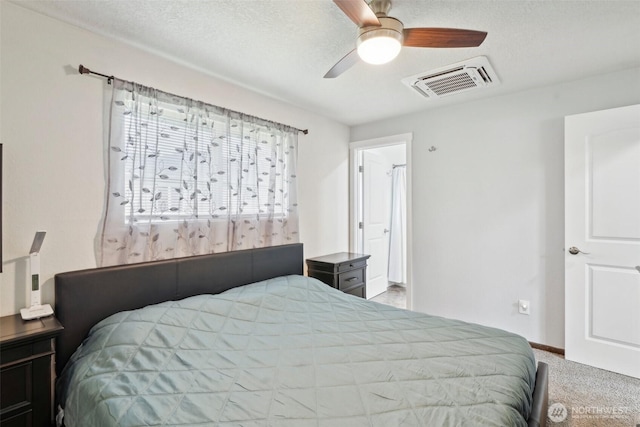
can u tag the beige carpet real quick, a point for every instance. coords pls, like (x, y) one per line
(590, 397)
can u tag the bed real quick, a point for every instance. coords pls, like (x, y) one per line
(242, 338)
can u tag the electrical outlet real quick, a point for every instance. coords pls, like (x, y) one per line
(524, 307)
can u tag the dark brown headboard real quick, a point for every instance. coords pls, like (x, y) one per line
(85, 297)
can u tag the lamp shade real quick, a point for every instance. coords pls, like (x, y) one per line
(379, 45)
(379, 49)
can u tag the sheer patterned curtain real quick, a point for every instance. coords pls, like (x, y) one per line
(188, 178)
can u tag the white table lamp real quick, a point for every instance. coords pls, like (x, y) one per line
(36, 310)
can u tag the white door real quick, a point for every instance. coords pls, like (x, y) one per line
(602, 220)
(376, 212)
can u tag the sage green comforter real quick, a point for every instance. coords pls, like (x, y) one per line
(294, 352)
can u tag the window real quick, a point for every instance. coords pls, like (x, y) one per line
(194, 165)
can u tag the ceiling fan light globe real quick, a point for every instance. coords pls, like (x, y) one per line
(379, 46)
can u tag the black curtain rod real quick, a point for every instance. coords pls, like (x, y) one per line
(84, 70)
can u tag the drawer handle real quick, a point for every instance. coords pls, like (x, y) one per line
(351, 279)
(350, 265)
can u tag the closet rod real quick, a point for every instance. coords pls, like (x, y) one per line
(84, 70)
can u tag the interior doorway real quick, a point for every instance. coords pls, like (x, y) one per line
(380, 220)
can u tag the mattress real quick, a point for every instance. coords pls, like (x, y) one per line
(293, 351)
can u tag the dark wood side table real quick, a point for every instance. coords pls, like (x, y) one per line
(344, 271)
(27, 373)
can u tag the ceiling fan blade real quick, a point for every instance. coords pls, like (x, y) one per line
(359, 12)
(442, 37)
(348, 61)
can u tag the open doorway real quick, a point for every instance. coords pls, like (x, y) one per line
(380, 220)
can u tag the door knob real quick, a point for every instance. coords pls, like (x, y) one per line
(386, 231)
(575, 251)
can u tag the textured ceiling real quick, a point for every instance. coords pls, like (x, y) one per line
(283, 48)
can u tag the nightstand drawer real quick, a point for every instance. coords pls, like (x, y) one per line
(346, 266)
(28, 351)
(16, 387)
(350, 279)
(358, 291)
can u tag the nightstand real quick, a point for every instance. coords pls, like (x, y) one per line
(27, 349)
(344, 271)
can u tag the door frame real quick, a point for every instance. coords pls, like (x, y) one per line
(355, 195)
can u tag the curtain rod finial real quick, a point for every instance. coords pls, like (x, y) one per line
(83, 70)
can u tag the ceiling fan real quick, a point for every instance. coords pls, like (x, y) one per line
(380, 37)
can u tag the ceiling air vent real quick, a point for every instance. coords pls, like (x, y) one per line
(456, 78)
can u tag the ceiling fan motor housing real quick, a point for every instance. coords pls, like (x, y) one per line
(389, 27)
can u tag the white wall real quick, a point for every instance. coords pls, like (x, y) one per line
(488, 204)
(51, 128)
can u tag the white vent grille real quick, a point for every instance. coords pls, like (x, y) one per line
(455, 78)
